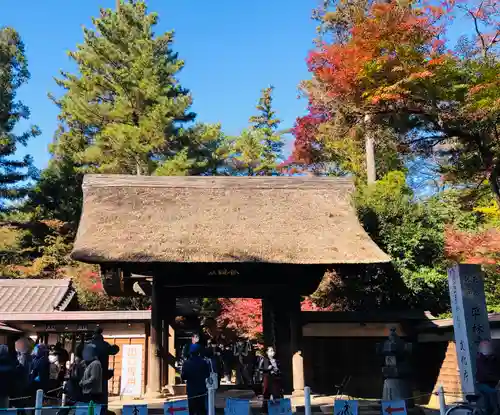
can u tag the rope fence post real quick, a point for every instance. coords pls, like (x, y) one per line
(442, 400)
(211, 401)
(38, 402)
(63, 396)
(307, 400)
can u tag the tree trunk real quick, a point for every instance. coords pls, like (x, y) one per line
(371, 171)
(495, 187)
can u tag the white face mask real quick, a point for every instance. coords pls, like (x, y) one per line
(52, 359)
(270, 353)
(485, 348)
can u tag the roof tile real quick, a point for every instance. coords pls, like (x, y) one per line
(35, 295)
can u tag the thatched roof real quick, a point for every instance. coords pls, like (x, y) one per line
(295, 220)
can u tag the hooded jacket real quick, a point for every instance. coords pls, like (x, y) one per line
(91, 382)
(40, 367)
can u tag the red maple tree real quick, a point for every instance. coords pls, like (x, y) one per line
(473, 248)
(388, 51)
(244, 315)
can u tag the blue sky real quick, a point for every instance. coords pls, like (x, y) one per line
(232, 50)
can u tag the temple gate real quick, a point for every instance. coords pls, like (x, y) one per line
(249, 237)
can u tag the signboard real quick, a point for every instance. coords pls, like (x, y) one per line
(344, 407)
(237, 407)
(83, 409)
(280, 407)
(135, 409)
(470, 319)
(224, 271)
(394, 407)
(50, 327)
(176, 408)
(131, 380)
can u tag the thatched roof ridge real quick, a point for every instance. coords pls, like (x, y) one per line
(295, 220)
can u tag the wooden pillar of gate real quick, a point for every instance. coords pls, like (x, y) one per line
(282, 328)
(155, 344)
(168, 332)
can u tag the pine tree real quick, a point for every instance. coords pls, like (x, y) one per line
(13, 73)
(246, 154)
(124, 111)
(267, 123)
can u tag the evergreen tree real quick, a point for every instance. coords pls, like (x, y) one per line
(267, 123)
(246, 154)
(124, 111)
(13, 73)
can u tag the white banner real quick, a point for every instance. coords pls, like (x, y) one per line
(131, 380)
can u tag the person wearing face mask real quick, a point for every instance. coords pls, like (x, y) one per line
(54, 370)
(23, 370)
(271, 378)
(488, 376)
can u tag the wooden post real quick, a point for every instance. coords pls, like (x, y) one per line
(154, 355)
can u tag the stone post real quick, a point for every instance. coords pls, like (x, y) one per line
(470, 319)
(396, 369)
(296, 346)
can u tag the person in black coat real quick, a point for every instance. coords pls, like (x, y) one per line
(23, 371)
(73, 389)
(195, 372)
(7, 376)
(40, 369)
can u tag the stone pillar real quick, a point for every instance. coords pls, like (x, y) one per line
(296, 347)
(470, 319)
(154, 347)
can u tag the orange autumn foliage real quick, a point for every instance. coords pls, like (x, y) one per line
(473, 248)
(390, 46)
